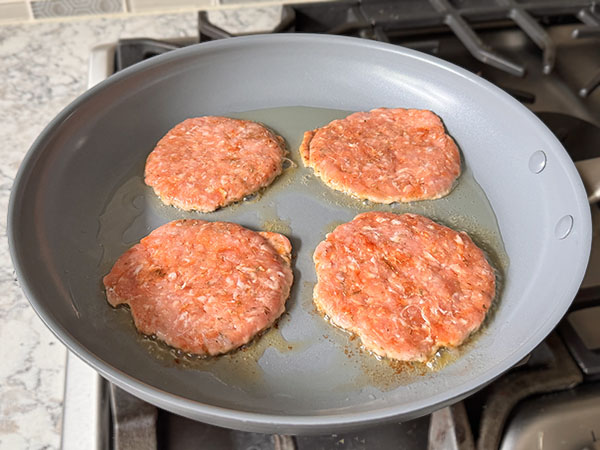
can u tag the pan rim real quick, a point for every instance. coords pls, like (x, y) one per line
(193, 408)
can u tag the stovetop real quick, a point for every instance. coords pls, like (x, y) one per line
(544, 53)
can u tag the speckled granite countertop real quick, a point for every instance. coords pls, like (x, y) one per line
(43, 68)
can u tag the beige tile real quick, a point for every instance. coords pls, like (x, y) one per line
(63, 8)
(244, 2)
(168, 5)
(13, 12)
(259, 3)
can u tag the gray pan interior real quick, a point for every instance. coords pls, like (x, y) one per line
(80, 186)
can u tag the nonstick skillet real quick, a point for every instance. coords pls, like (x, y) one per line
(79, 200)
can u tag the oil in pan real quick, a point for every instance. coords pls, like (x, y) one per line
(299, 205)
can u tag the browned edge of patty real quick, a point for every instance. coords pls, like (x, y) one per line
(305, 147)
(276, 241)
(305, 153)
(371, 346)
(177, 203)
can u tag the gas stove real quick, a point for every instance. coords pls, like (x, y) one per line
(544, 53)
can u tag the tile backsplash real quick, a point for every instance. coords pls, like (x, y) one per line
(158, 5)
(63, 8)
(14, 11)
(33, 10)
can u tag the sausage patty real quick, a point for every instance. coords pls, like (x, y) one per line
(403, 283)
(207, 162)
(384, 155)
(203, 287)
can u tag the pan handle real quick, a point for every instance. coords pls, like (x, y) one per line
(589, 171)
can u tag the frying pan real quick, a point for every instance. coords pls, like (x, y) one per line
(93, 152)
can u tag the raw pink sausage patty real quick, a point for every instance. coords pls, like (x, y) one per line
(384, 155)
(207, 162)
(403, 283)
(203, 287)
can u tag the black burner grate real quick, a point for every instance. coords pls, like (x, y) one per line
(399, 22)
(387, 20)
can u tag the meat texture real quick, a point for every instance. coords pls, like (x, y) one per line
(403, 283)
(203, 287)
(384, 155)
(208, 162)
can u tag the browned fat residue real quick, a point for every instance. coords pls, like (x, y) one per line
(387, 374)
(393, 373)
(404, 367)
(349, 352)
(236, 368)
(277, 226)
(271, 221)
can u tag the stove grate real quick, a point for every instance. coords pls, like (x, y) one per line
(383, 20)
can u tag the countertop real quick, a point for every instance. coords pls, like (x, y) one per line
(43, 68)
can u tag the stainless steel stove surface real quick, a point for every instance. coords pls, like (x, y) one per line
(544, 53)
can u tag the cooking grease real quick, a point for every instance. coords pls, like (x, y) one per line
(299, 205)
